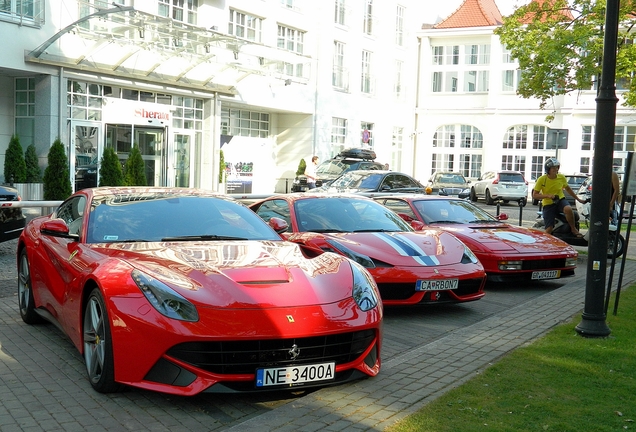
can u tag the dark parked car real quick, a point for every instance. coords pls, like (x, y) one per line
(374, 181)
(347, 160)
(449, 184)
(12, 220)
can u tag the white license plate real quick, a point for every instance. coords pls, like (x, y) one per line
(436, 285)
(546, 274)
(295, 375)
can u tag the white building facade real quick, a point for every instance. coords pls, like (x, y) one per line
(470, 120)
(267, 81)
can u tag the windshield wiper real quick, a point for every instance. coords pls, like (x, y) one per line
(326, 230)
(446, 222)
(374, 230)
(486, 221)
(202, 237)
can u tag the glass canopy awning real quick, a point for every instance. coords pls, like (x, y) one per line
(126, 43)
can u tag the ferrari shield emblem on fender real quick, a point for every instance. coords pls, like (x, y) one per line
(290, 318)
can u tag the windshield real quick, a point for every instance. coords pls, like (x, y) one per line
(451, 178)
(346, 215)
(153, 217)
(354, 180)
(332, 167)
(451, 211)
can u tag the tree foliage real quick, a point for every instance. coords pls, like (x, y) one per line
(33, 172)
(559, 47)
(221, 166)
(14, 165)
(302, 165)
(134, 170)
(57, 179)
(110, 172)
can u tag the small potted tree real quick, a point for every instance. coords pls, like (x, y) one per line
(33, 187)
(57, 179)
(110, 172)
(134, 170)
(14, 164)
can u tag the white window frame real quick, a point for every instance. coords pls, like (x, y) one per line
(245, 26)
(399, 25)
(179, 10)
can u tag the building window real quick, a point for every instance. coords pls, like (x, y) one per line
(179, 10)
(452, 55)
(399, 26)
(516, 137)
(236, 122)
(444, 136)
(338, 133)
(438, 55)
(470, 165)
(339, 75)
(84, 101)
(477, 54)
(624, 138)
(398, 90)
(291, 40)
(585, 165)
(397, 140)
(366, 134)
(510, 80)
(25, 111)
(513, 163)
(340, 14)
(436, 85)
(188, 113)
(506, 55)
(587, 138)
(289, 4)
(539, 138)
(442, 162)
(476, 81)
(245, 26)
(537, 168)
(471, 137)
(366, 84)
(367, 24)
(22, 11)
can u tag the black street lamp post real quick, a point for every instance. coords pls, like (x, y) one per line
(593, 321)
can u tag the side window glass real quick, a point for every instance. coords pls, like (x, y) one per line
(399, 206)
(274, 208)
(72, 212)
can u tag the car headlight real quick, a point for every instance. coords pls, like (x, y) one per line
(364, 288)
(361, 259)
(469, 256)
(163, 298)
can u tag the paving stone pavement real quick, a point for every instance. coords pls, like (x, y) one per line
(43, 384)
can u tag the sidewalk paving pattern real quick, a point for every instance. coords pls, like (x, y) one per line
(43, 383)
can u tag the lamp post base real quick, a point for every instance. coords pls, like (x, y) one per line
(590, 327)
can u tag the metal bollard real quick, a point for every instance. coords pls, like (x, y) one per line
(520, 212)
(498, 206)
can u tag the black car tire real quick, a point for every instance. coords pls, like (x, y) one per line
(98, 345)
(26, 303)
(489, 199)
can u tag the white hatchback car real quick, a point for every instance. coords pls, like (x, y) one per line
(500, 185)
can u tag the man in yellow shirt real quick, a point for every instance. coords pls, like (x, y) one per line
(549, 188)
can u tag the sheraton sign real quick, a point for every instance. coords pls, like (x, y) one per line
(149, 114)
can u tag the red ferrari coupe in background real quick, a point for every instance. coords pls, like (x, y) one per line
(429, 266)
(507, 252)
(183, 291)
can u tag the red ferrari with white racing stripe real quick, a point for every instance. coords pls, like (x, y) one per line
(428, 266)
(507, 252)
(184, 291)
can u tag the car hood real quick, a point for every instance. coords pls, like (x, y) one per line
(508, 238)
(241, 274)
(429, 247)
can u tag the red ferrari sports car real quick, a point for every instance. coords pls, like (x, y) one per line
(428, 266)
(184, 291)
(507, 252)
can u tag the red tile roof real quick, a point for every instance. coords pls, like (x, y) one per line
(473, 13)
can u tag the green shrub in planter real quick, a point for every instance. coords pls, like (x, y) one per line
(221, 166)
(110, 172)
(33, 173)
(57, 179)
(14, 165)
(134, 170)
(301, 167)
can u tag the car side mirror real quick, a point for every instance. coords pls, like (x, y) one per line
(57, 228)
(502, 217)
(279, 225)
(417, 225)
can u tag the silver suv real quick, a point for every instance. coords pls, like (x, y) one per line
(500, 185)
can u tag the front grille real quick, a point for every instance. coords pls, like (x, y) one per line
(543, 264)
(403, 291)
(244, 357)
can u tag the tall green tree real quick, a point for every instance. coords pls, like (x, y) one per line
(14, 165)
(110, 172)
(33, 172)
(559, 47)
(57, 178)
(134, 170)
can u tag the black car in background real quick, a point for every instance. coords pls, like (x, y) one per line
(364, 181)
(12, 220)
(347, 160)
